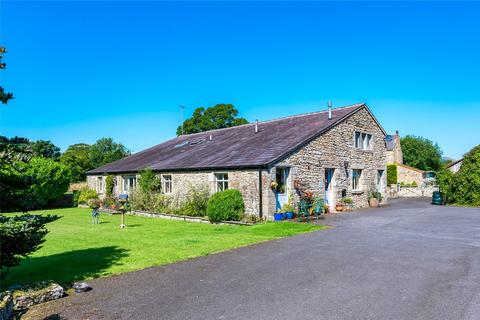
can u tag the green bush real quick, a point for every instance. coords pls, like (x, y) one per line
(109, 185)
(149, 201)
(148, 181)
(466, 182)
(32, 185)
(391, 174)
(196, 202)
(225, 206)
(20, 236)
(85, 195)
(445, 180)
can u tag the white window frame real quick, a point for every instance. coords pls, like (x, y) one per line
(100, 184)
(167, 184)
(362, 140)
(127, 185)
(358, 185)
(222, 181)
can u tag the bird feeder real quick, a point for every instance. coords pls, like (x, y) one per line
(123, 200)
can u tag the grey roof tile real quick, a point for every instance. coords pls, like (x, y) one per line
(236, 147)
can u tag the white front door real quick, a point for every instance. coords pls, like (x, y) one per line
(329, 199)
(281, 194)
(380, 187)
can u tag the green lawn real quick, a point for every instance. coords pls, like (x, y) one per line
(75, 249)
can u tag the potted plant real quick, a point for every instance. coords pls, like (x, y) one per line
(274, 185)
(94, 203)
(347, 204)
(287, 209)
(326, 208)
(278, 216)
(374, 198)
(339, 207)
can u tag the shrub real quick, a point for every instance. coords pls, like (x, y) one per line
(109, 185)
(148, 181)
(196, 202)
(445, 183)
(466, 182)
(20, 236)
(149, 201)
(225, 206)
(86, 194)
(391, 174)
(109, 202)
(160, 203)
(32, 185)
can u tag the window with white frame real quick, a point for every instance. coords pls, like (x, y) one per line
(129, 183)
(221, 181)
(356, 176)
(167, 184)
(100, 184)
(363, 141)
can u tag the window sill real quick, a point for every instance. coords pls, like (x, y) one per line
(357, 191)
(363, 150)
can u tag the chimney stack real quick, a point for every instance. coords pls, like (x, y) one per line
(256, 126)
(329, 110)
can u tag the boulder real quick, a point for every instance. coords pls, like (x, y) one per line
(6, 305)
(24, 299)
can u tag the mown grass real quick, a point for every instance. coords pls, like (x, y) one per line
(76, 250)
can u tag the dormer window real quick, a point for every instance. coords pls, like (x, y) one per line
(363, 141)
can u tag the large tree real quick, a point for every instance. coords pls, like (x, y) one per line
(105, 150)
(4, 96)
(22, 149)
(216, 117)
(421, 153)
(46, 149)
(77, 158)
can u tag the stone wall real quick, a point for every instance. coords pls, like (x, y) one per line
(408, 192)
(409, 175)
(244, 180)
(335, 149)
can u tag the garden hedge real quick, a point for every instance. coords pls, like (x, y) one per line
(226, 205)
(391, 174)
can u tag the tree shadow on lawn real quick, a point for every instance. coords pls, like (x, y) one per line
(65, 268)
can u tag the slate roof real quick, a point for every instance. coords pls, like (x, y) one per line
(390, 142)
(236, 147)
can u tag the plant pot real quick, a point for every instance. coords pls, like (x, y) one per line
(289, 215)
(278, 216)
(373, 202)
(339, 207)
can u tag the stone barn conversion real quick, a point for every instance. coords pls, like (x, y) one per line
(334, 153)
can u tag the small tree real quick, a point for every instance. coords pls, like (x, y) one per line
(149, 181)
(109, 185)
(392, 174)
(19, 237)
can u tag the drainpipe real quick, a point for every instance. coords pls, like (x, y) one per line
(260, 194)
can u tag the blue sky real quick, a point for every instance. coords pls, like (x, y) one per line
(85, 70)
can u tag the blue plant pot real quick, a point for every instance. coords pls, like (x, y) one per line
(289, 215)
(278, 216)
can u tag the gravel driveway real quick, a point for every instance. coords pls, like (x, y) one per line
(409, 260)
